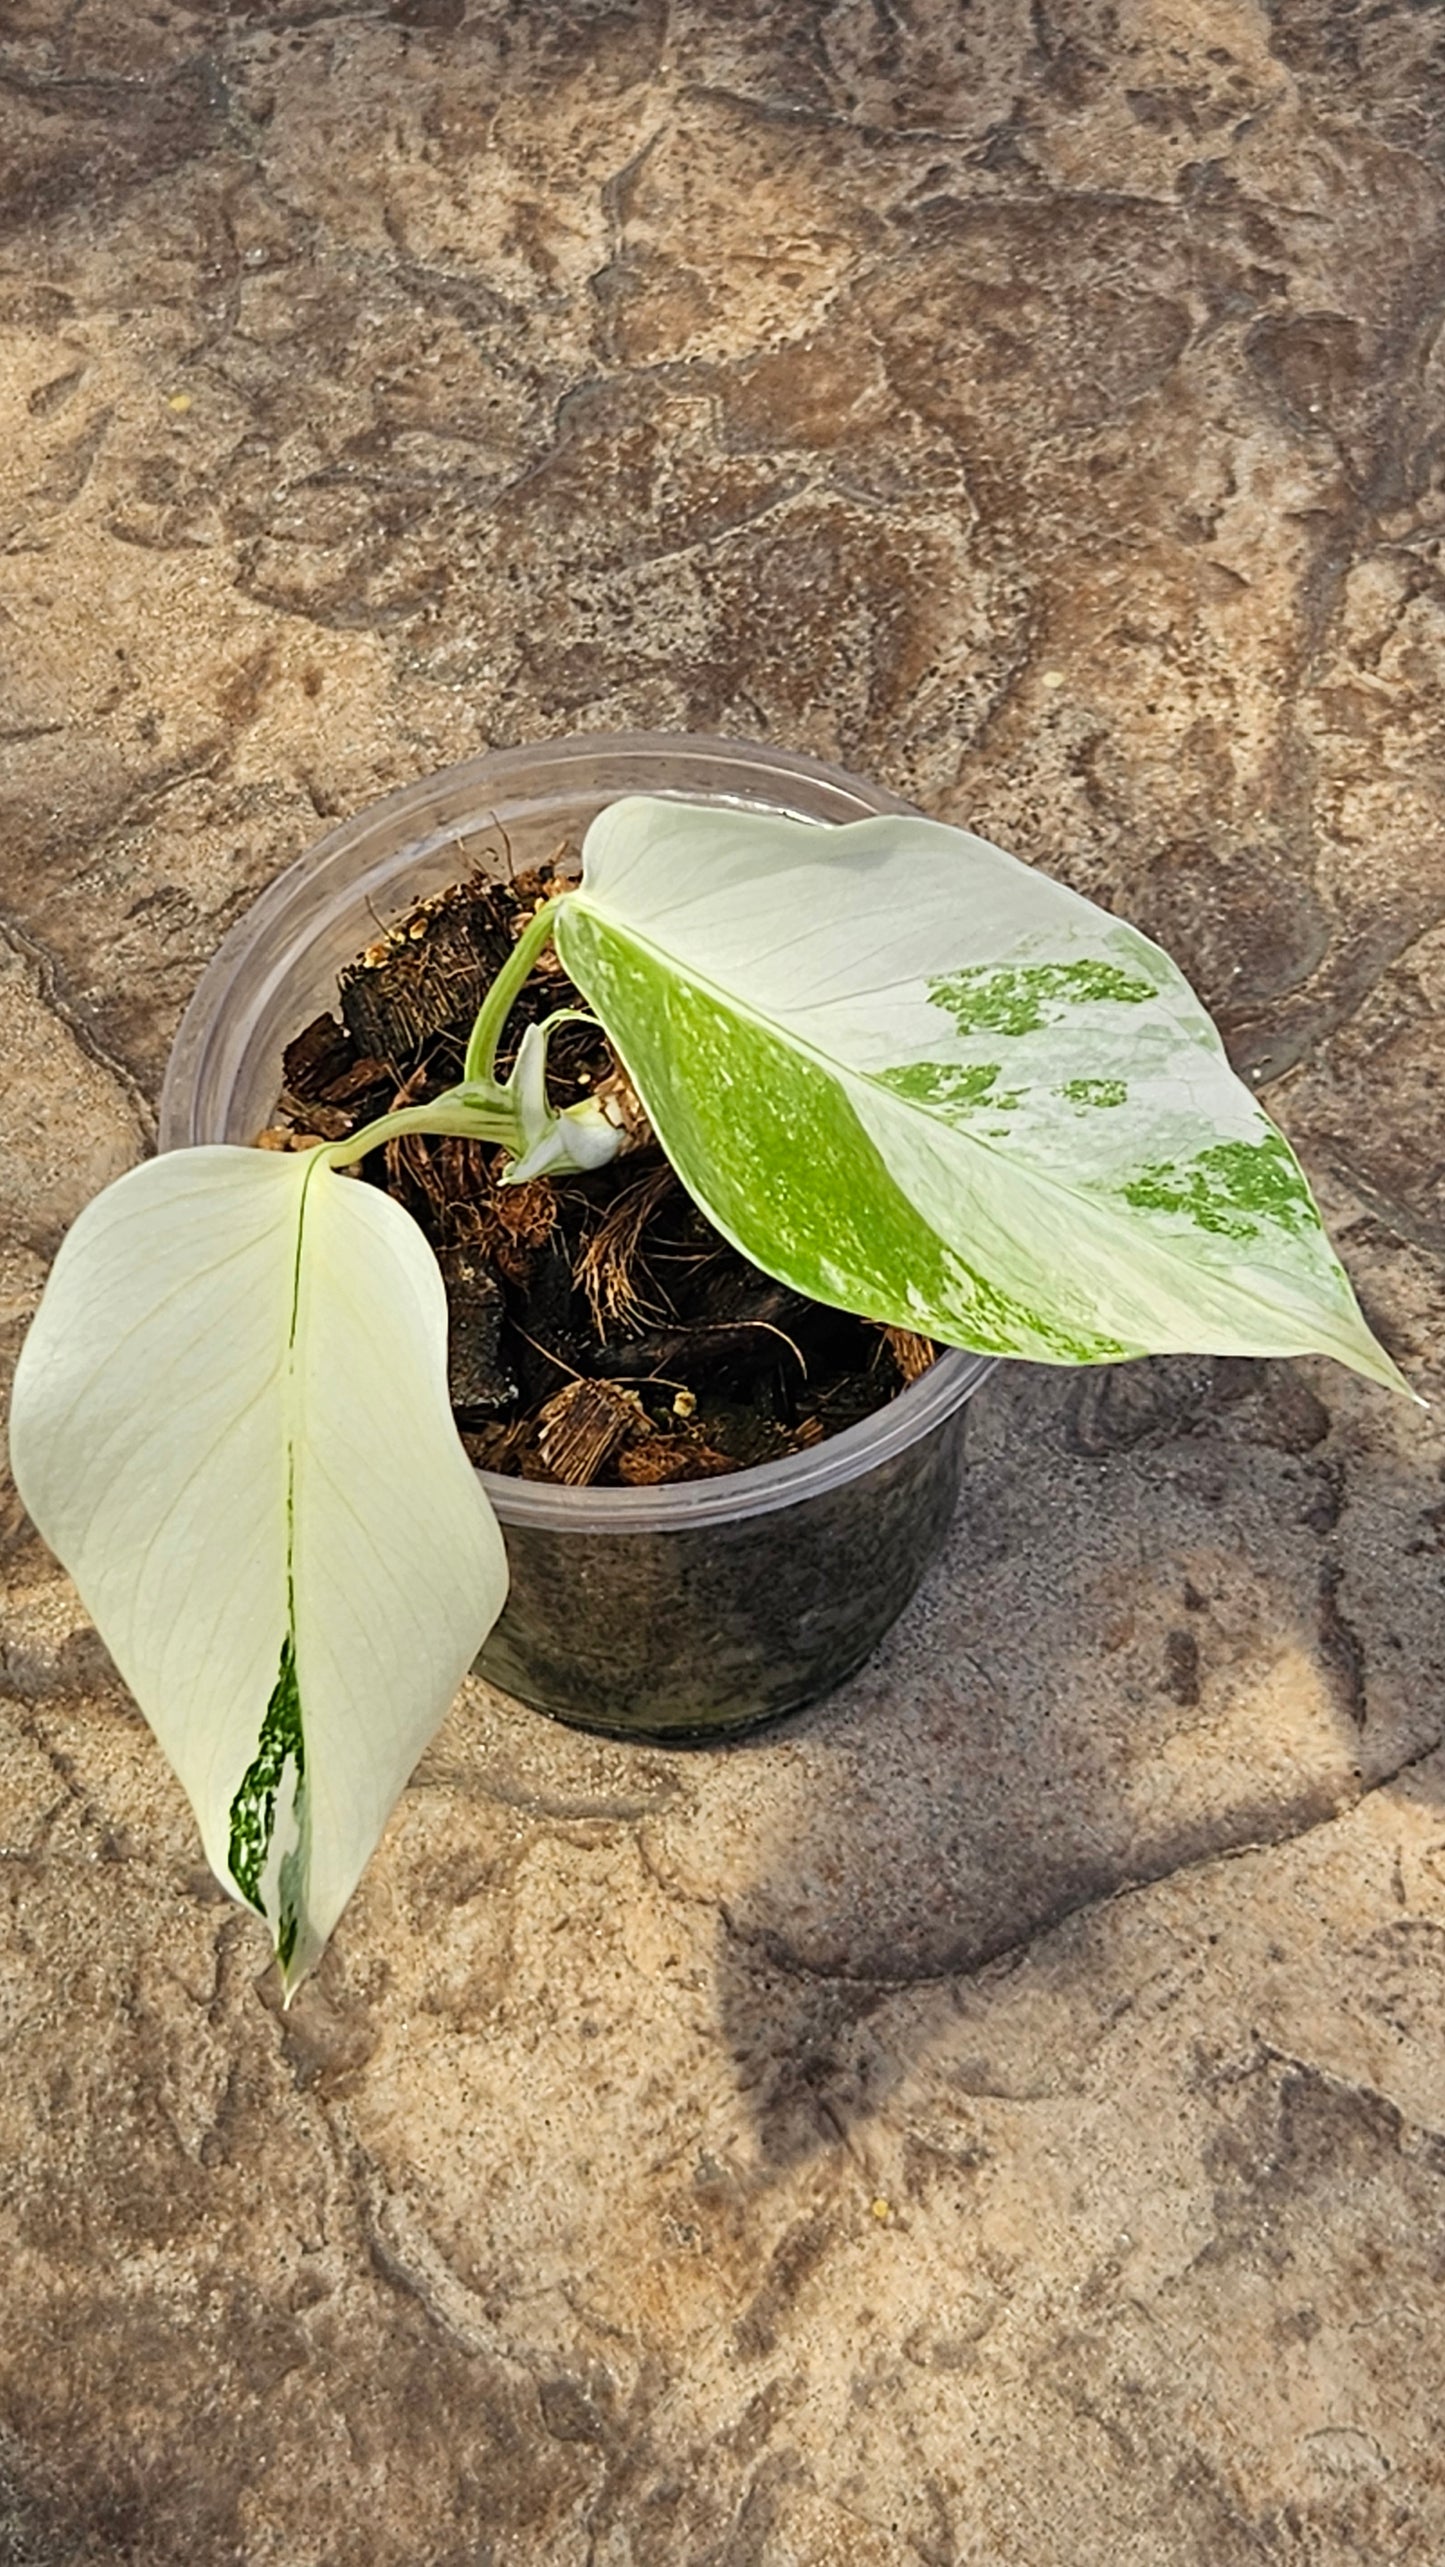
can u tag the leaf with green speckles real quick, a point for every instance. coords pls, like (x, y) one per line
(994, 999)
(949, 1087)
(1095, 1091)
(1237, 1189)
(280, 1756)
(230, 1421)
(915, 1078)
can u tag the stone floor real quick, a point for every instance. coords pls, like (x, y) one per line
(1000, 2120)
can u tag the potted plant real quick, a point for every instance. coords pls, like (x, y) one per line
(903, 1072)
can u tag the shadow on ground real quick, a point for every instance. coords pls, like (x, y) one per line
(1158, 1635)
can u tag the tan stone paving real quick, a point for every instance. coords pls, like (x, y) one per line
(999, 2121)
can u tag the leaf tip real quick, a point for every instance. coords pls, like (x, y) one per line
(1373, 1361)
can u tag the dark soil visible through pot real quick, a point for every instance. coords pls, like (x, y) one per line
(601, 1330)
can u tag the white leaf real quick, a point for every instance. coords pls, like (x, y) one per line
(230, 1422)
(911, 1076)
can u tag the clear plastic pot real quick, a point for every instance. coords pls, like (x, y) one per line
(681, 1613)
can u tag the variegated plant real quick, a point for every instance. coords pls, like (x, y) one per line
(901, 1071)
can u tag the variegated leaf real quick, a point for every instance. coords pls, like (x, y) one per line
(231, 1423)
(912, 1076)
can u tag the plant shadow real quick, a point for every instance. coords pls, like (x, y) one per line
(1155, 1637)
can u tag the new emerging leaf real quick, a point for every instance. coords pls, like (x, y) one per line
(230, 1422)
(911, 1076)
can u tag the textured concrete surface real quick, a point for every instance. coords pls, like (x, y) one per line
(1000, 2122)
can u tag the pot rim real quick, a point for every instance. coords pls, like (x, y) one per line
(370, 845)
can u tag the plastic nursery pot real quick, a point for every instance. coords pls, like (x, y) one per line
(682, 1613)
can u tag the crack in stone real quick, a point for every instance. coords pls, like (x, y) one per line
(404, 2254)
(1010, 1953)
(142, 805)
(1293, 1049)
(1341, 1645)
(75, 1795)
(1415, 1229)
(571, 1812)
(50, 991)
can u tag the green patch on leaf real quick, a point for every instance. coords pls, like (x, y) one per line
(292, 1891)
(1231, 1189)
(1095, 1091)
(947, 1086)
(988, 998)
(253, 1811)
(950, 1089)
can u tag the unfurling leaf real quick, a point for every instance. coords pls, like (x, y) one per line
(230, 1422)
(911, 1076)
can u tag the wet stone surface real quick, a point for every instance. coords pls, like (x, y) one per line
(1001, 2118)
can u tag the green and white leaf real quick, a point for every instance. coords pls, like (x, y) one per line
(230, 1421)
(911, 1076)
